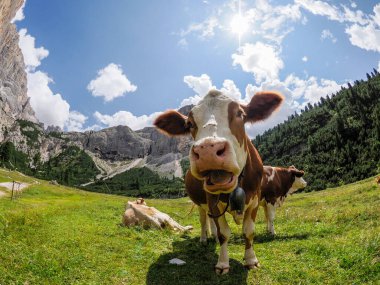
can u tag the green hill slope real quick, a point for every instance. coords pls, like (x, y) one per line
(60, 235)
(336, 141)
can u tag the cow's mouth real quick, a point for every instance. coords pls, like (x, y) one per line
(219, 181)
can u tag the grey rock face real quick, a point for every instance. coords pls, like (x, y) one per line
(14, 102)
(115, 144)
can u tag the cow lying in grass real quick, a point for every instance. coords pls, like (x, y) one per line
(138, 213)
(277, 183)
(225, 168)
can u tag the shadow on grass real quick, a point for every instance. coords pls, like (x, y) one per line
(263, 238)
(199, 268)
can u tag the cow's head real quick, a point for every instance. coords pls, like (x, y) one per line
(219, 152)
(298, 181)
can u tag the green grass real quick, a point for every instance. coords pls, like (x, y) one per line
(61, 235)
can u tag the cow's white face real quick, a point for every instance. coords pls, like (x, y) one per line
(219, 152)
(299, 182)
(216, 155)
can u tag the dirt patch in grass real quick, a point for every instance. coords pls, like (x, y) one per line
(9, 185)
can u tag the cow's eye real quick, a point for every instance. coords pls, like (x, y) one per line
(190, 125)
(240, 114)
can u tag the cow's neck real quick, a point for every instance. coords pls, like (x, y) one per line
(252, 172)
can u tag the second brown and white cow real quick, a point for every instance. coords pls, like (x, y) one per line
(222, 158)
(277, 183)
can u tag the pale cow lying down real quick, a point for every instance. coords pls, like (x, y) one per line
(276, 184)
(138, 213)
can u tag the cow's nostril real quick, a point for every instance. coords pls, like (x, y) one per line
(220, 152)
(195, 155)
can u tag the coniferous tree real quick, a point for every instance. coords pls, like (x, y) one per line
(336, 142)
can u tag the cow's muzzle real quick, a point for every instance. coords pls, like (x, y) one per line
(219, 181)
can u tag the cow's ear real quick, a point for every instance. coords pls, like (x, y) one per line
(172, 123)
(262, 106)
(296, 172)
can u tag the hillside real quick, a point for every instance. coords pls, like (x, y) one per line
(336, 141)
(61, 235)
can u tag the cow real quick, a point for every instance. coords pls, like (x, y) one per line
(277, 183)
(378, 180)
(223, 164)
(138, 213)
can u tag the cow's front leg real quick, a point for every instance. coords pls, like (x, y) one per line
(224, 233)
(203, 219)
(250, 259)
(214, 230)
(271, 212)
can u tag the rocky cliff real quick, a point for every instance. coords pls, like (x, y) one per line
(117, 149)
(14, 102)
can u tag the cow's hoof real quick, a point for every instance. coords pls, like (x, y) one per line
(221, 270)
(252, 264)
(203, 240)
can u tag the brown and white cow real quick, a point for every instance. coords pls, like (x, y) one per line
(138, 213)
(277, 183)
(222, 157)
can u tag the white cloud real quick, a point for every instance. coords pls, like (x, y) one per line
(205, 30)
(50, 108)
(200, 84)
(305, 59)
(262, 60)
(341, 14)
(356, 16)
(363, 31)
(295, 90)
(327, 34)
(183, 43)
(229, 88)
(274, 22)
(311, 89)
(126, 118)
(289, 106)
(110, 83)
(321, 8)
(19, 14)
(367, 37)
(32, 55)
(75, 121)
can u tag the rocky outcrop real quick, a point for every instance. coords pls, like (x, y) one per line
(115, 144)
(117, 149)
(14, 102)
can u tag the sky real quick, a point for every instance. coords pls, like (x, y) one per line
(93, 64)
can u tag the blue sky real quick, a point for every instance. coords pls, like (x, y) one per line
(94, 64)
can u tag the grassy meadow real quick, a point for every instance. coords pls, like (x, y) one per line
(61, 235)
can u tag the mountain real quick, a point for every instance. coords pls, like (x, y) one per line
(336, 141)
(14, 102)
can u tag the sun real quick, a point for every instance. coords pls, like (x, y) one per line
(239, 24)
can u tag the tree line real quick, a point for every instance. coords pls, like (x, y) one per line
(336, 140)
